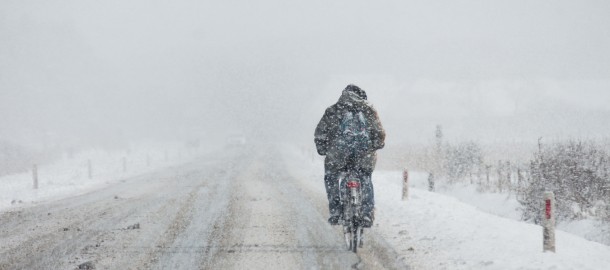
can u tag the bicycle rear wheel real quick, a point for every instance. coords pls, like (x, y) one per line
(360, 236)
(355, 237)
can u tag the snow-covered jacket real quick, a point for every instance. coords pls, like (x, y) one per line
(327, 131)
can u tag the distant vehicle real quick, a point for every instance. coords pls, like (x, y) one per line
(236, 140)
(195, 143)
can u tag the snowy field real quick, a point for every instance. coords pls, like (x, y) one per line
(439, 231)
(70, 176)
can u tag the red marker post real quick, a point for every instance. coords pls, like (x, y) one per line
(548, 222)
(547, 211)
(405, 185)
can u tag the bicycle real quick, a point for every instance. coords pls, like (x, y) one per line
(351, 203)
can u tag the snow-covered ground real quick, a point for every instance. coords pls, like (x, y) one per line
(506, 205)
(439, 231)
(70, 176)
(450, 229)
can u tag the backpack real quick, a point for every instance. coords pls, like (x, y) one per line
(353, 139)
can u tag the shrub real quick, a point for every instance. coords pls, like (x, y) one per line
(462, 160)
(577, 172)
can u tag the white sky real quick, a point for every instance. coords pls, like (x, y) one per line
(486, 70)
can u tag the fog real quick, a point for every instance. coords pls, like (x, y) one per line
(94, 72)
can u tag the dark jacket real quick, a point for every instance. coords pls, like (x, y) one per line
(327, 131)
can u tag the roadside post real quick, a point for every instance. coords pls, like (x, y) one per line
(405, 184)
(35, 176)
(124, 164)
(90, 168)
(548, 222)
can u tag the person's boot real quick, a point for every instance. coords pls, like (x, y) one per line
(368, 219)
(335, 216)
(334, 220)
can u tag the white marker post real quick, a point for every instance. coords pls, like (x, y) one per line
(90, 168)
(124, 164)
(405, 185)
(35, 176)
(548, 222)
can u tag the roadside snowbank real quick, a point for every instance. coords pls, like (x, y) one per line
(70, 176)
(437, 231)
(504, 205)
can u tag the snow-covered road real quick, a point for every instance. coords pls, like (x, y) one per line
(235, 209)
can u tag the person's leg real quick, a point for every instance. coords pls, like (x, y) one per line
(368, 196)
(332, 192)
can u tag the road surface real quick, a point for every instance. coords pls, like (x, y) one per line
(235, 209)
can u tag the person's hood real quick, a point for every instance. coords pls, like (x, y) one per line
(351, 99)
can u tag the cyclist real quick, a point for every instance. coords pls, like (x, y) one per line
(331, 136)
